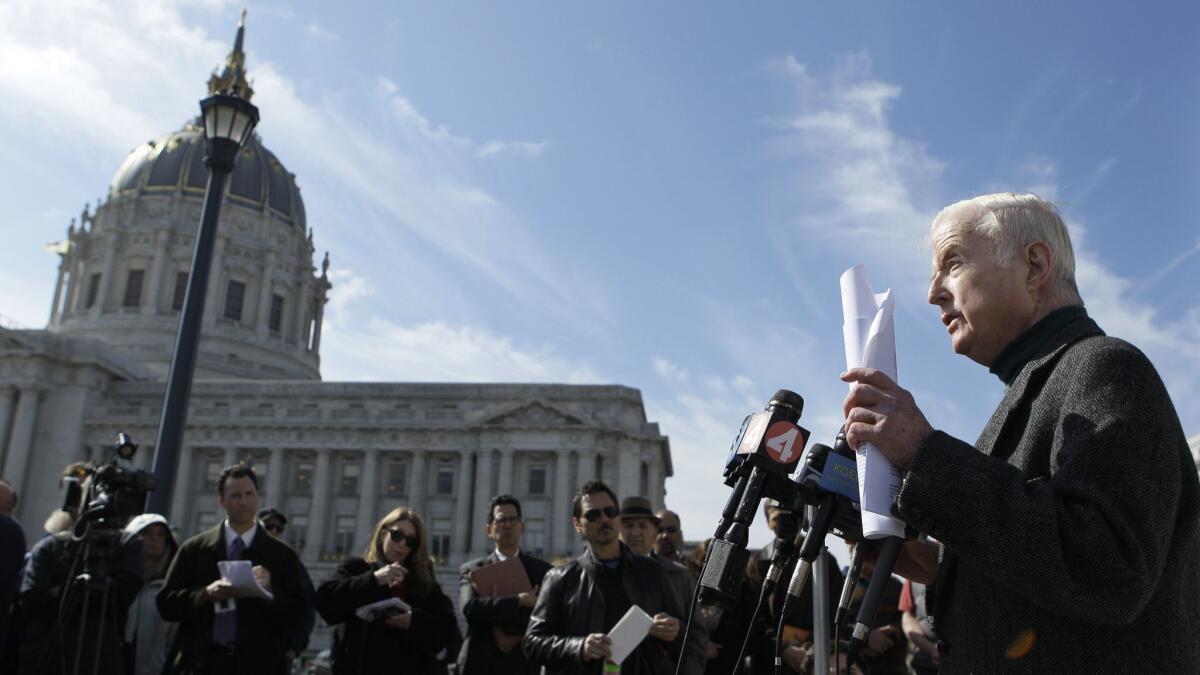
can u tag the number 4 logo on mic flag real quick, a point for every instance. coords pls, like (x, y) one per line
(784, 441)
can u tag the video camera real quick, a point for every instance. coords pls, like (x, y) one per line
(108, 496)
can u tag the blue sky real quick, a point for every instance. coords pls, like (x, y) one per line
(656, 194)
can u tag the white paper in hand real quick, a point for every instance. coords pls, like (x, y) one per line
(870, 339)
(240, 575)
(382, 609)
(629, 633)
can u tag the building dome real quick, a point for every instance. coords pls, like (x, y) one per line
(176, 162)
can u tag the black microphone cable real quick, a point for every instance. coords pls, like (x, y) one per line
(687, 628)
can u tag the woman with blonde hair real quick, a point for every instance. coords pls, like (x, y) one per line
(412, 628)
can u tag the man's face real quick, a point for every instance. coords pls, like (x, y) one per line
(638, 534)
(984, 306)
(601, 529)
(670, 536)
(506, 527)
(240, 500)
(275, 526)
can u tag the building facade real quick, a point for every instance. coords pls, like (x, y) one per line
(333, 456)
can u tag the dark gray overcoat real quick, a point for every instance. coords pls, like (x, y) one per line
(1070, 530)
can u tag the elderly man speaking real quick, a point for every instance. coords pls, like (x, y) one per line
(1069, 529)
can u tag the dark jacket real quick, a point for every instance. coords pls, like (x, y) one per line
(571, 606)
(683, 584)
(362, 648)
(263, 628)
(479, 653)
(1070, 529)
(12, 558)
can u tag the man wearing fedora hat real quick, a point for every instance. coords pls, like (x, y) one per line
(639, 531)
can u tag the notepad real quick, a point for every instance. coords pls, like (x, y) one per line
(629, 633)
(382, 609)
(240, 575)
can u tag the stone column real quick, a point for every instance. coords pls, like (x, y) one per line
(275, 478)
(462, 503)
(157, 270)
(20, 443)
(368, 497)
(106, 275)
(320, 319)
(75, 285)
(263, 324)
(505, 484)
(478, 513)
(587, 467)
(7, 397)
(231, 457)
(55, 310)
(560, 520)
(319, 509)
(654, 479)
(180, 516)
(416, 482)
(303, 302)
(628, 479)
(214, 301)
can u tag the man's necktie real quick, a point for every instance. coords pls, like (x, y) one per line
(225, 623)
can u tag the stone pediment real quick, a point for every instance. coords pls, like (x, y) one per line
(536, 413)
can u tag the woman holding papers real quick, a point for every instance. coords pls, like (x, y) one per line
(389, 612)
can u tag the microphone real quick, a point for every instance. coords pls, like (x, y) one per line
(787, 533)
(856, 563)
(769, 449)
(870, 603)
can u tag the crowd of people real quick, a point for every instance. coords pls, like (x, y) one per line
(174, 607)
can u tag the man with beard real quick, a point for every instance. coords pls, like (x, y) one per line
(495, 624)
(581, 601)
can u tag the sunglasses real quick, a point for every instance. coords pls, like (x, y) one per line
(507, 520)
(592, 515)
(398, 536)
(670, 529)
(273, 527)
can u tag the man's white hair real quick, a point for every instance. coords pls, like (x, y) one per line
(1012, 221)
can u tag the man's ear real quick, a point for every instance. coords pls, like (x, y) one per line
(1040, 264)
(578, 525)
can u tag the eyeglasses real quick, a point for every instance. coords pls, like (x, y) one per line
(592, 515)
(507, 520)
(397, 535)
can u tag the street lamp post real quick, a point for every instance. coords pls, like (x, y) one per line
(228, 122)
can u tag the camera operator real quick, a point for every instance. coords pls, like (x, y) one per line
(53, 563)
(147, 635)
(12, 558)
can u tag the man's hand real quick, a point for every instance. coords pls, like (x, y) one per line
(262, 575)
(879, 412)
(665, 627)
(712, 651)
(402, 621)
(219, 591)
(879, 640)
(528, 598)
(596, 646)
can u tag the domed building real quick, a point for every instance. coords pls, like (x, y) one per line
(333, 456)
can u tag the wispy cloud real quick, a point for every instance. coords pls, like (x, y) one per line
(316, 31)
(359, 344)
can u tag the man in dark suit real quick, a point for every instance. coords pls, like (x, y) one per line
(1069, 530)
(223, 630)
(495, 625)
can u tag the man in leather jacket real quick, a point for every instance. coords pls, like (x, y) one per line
(581, 601)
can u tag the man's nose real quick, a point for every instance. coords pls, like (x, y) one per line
(937, 291)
